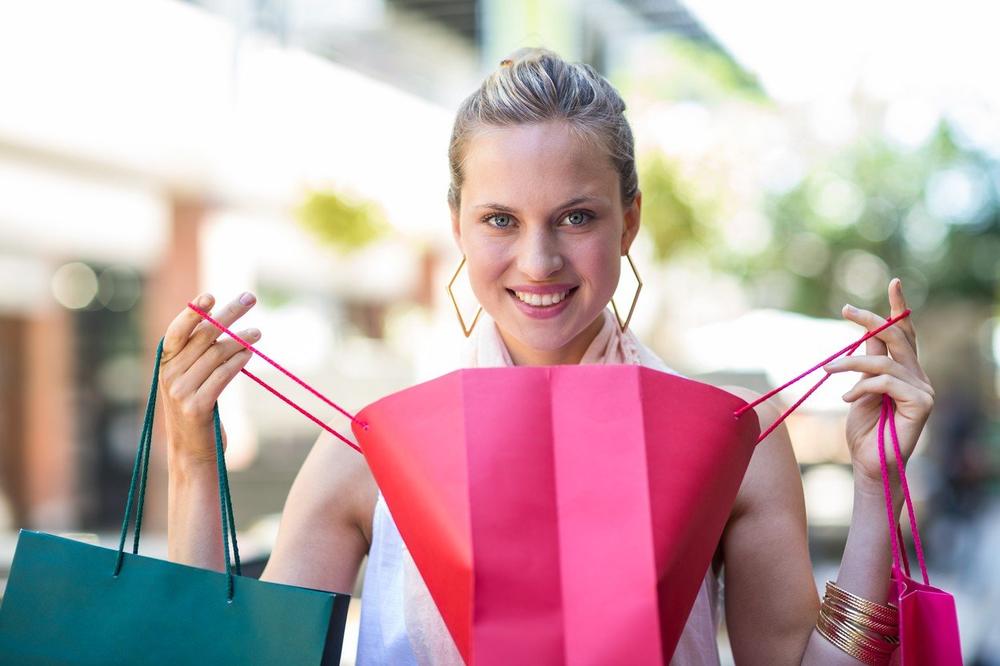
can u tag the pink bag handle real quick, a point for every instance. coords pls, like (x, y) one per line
(288, 373)
(886, 414)
(849, 349)
(898, 551)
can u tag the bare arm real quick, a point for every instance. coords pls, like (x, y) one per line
(194, 369)
(325, 527)
(771, 599)
(194, 532)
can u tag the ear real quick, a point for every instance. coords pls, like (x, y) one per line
(456, 229)
(630, 228)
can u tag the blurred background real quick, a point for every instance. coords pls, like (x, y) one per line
(792, 156)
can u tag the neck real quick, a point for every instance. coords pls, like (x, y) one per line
(569, 354)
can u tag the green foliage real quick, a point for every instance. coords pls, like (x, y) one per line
(716, 66)
(670, 219)
(867, 212)
(681, 69)
(674, 214)
(341, 222)
(882, 212)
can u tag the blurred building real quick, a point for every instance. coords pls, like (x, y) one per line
(136, 173)
(153, 150)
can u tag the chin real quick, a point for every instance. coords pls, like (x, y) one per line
(545, 342)
(547, 335)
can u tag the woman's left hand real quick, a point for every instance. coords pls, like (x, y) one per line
(889, 366)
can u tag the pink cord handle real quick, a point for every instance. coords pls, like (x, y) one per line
(219, 325)
(849, 349)
(887, 413)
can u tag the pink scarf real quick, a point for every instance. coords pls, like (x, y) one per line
(429, 637)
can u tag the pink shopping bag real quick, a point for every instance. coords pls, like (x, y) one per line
(560, 514)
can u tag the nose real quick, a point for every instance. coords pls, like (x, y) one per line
(539, 255)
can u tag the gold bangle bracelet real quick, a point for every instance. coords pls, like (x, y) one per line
(869, 606)
(883, 612)
(859, 619)
(859, 636)
(846, 644)
(847, 647)
(881, 617)
(859, 627)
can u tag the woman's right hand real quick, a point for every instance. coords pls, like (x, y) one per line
(194, 368)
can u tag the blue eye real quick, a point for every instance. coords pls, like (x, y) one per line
(499, 216)
(578, 218)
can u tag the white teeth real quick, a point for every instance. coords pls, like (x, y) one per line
(539, 300)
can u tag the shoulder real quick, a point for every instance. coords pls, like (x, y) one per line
(773, 474)
(764, 410)
(338, 481)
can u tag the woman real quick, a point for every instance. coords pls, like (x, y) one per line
(544, 204)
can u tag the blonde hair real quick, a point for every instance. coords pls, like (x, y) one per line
(535, 85)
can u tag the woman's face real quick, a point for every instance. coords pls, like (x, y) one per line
(541, 219)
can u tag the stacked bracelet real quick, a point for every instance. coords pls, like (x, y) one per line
(864, 629)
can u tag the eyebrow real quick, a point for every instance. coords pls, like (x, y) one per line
(572, 202)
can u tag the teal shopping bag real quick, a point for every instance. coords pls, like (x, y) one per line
(69, 602)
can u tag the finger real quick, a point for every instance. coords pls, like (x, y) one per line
(183, 324)
(220, 352)
(206, 333)
(875, 365)
(873, 346)
(911, 401)
(891, 339)
(211, 389)
(897, 304)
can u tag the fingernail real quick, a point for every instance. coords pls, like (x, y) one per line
(204, 301)
(251, 333)
(247, 298)
(851, 308)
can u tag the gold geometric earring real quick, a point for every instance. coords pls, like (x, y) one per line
(634, 298)
(454, 302)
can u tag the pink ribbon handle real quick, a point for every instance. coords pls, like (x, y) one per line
(848, 350)
(887, 413)
(219, 325)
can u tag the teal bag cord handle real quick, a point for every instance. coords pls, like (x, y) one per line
(141, 463)
(140, 472)
(226, 506)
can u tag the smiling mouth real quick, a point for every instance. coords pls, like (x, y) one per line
(542, 302)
